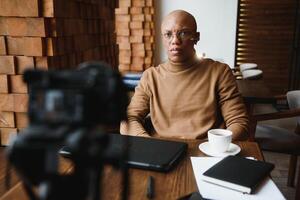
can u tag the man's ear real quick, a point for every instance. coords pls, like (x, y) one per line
(197, 38)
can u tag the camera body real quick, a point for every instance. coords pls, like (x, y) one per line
(92, 95)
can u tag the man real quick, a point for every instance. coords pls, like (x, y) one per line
(186, 96)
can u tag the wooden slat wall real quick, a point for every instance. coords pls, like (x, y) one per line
(265, 34)
(294, 81)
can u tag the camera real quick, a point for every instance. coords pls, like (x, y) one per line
(69, 108)
(93, 94)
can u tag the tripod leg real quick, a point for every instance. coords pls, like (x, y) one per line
(29, 191)
(94, 184)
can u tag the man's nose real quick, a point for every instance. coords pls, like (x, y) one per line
(175, 39)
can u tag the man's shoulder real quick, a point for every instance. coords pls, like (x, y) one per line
(154, 70)
(214, 63)
(215, 67)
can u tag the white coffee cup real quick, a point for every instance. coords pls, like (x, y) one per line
(219, 139)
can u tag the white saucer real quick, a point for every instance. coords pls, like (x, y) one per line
(232, 150)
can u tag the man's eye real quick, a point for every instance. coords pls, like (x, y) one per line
(168, 35)
(183, 34)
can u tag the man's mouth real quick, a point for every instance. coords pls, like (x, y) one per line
(176, 50)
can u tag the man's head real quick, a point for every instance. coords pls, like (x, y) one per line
(179, 31)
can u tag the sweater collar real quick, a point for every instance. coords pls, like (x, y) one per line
(181, 66)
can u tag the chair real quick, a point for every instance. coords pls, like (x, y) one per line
(280, 140)
(247, 71)
(252, 74)
(247, 66)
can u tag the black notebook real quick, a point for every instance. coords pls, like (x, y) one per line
(238, 173)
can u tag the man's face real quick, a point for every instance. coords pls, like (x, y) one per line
(179, 37)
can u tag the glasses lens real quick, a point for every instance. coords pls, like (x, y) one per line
(182, 35)
(168, 35)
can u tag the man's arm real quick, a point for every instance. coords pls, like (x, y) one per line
(232, 106)
(137, 110)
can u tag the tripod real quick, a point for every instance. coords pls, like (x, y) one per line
(34, 154)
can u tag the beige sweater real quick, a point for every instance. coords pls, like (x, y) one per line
(186, 100)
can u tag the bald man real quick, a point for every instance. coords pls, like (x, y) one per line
(185, 96)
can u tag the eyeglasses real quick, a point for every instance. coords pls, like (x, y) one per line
(182, 35)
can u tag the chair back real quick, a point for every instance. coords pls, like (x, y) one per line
(293, 98)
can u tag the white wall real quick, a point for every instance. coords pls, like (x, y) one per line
(216, 21)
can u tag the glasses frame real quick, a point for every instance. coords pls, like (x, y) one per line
(182, 35)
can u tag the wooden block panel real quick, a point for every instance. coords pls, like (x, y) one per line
(139, 32)
(7, 119)
(138, 47)
(6, 102)
(15, 45)
(123, 18)
(7, 134)
(125, 53)
(136, 25)
(3, 29)
(124, 46)
(7, 65)
(146, 10)
(147, 25)
(36, 27)
(123, 32)
(148, 46)
(20, 8)
(121, 11)
(149, 53)
(23, 63)
(21, 119)
(3, 84)
(124, 59)
(14, 102)
(16, 26)
(147, 32)
(141, 36)
(136, 67)
(148, 17)
(138, 3)
(138, 17)
(122, 39)
(48, 8)
(122, 25)
(148, 60)
(136, 39)
(149, 39)
(124, 3)
(124, 67)
(139, 61)
(136, 10)
(41, 63)
(17, 85)
(149, 3)
(20, 102)
(28, 46)
(2, 44)
(51, 46)
(136, 53)
(34, 46)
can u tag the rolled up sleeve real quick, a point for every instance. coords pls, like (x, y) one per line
(232, 106)
(137, 110)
